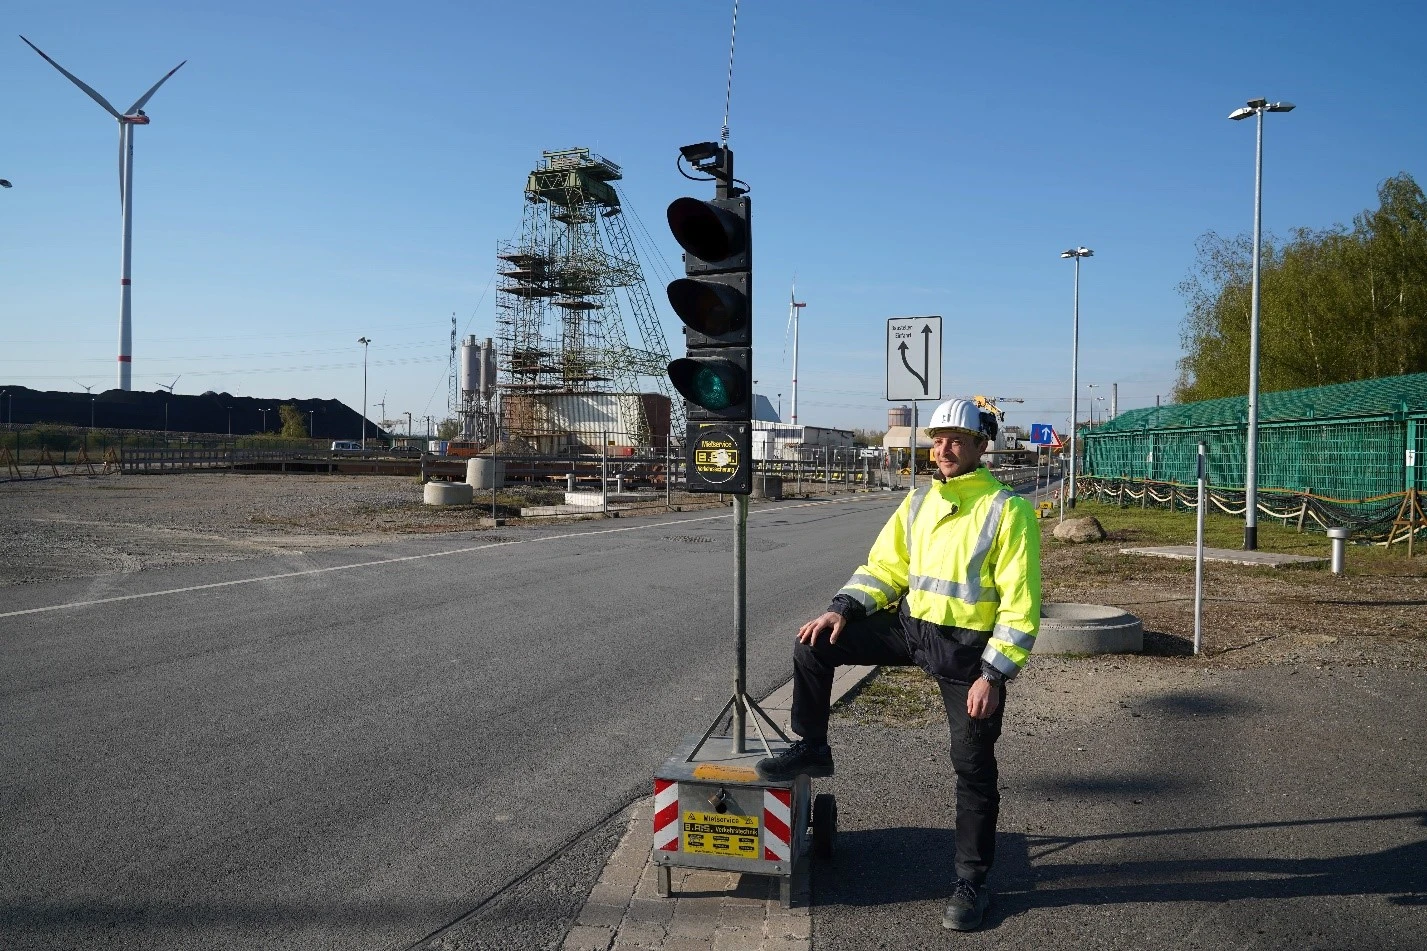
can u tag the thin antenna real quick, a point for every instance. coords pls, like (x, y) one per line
(728, 93)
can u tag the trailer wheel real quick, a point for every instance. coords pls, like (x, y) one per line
(824, 825)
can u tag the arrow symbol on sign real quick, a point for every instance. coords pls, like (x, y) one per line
(926, 358)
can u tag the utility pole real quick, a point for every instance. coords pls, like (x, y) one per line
(366, 345)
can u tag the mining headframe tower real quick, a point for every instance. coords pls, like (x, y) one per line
(569, 377)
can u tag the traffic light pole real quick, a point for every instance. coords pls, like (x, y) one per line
(740, 623)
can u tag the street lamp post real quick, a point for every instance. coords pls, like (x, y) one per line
(264, 411)
(1255, 107)
(1077, 254)
(91, 412)
(408, 424)
(365, 342)
(311, 423)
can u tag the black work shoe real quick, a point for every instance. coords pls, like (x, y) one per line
(967, 908)
(815, 759)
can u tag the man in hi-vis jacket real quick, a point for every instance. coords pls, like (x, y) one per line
(962, 556)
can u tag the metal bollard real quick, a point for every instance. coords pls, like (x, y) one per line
(570, 482)
(619, 483)
(1339, 539)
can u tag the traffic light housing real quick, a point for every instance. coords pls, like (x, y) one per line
(714, 300)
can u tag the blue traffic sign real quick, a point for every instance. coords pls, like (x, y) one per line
(1042, 434)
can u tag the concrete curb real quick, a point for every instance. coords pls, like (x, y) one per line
(722, 910)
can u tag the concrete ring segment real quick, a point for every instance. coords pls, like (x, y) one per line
(1088, 629)
(447, 493)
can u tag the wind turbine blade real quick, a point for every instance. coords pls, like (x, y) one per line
(139, 103)
(77, 81)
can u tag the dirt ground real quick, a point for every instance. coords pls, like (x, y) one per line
(1375, 615)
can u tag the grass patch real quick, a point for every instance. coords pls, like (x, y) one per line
(1144, 527)
(895, 696)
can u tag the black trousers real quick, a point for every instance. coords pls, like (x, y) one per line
(884, 639)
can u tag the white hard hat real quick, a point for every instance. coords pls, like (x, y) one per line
(955, 414)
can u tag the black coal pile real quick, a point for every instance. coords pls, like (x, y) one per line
(210, 412)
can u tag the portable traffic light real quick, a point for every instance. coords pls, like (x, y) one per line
(714, 299)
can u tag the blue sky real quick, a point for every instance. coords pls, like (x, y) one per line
(321, 171)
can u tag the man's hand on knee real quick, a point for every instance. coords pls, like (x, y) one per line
(829, 621)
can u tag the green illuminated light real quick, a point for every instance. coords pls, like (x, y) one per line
(712, 391)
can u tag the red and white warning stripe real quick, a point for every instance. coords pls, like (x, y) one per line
(777, 824)
(666, 816)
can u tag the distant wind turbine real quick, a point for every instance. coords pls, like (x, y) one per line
(170, 386)
(129, 118)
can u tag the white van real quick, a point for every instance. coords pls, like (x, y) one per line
(346, 445)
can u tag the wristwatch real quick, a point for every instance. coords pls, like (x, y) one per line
(992, 676)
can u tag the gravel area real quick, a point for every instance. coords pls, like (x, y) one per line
(77, 527)
(80, 526)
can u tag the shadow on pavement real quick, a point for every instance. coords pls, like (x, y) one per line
(903, 865)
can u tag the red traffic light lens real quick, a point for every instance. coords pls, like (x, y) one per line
(705, 230)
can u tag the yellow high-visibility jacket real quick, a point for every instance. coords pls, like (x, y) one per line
(963, 554)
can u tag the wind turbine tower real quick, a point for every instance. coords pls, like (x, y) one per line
(129, 118)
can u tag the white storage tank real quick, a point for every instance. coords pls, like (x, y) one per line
(471, 366)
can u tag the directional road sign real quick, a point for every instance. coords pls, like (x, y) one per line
(1042, 434)
(913, 358)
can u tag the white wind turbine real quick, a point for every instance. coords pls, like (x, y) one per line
(131, 117)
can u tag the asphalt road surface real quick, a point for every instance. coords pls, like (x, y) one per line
(355, 749)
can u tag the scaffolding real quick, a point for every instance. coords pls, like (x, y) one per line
(569, 375)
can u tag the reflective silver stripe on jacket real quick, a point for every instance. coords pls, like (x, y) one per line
(1014, 637)
(862, 598)
(969, 590)
(868, 581)
(918, 497)
(1000, 661)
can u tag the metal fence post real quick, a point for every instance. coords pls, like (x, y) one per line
(1199, 551)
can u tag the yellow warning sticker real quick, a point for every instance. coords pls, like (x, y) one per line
(713, 833)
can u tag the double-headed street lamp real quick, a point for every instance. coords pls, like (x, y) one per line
(1077, 254)
(365, 342)
(1255, 107)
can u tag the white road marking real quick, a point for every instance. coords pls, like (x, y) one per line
(68, 605)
